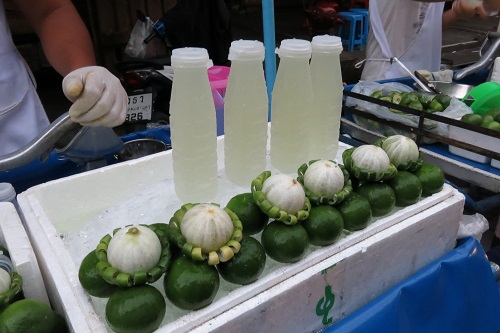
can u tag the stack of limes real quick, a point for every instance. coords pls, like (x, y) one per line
(490, 119)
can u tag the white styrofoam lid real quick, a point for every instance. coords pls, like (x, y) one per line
(16, 240)
(246, 50)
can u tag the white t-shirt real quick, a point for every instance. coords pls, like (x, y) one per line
(22, 115)
(402, 20)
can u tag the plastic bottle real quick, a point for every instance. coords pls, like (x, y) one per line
(327, 96)
(193, 127)
(245, 113)
(291, 106)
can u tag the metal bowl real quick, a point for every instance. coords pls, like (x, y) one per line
(141, 147)
(453, 89)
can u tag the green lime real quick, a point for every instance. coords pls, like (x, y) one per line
(28, 315)
(381, 197)
(138, 309)
(487, 119)
(495, 113)
(472, 118)
(494, 125)
(60, 326)
(250, 215)
(91, 280)
(431, 177)
(163, 227)
(247, 265)
(407, 188)
(191, 285)
(356, 212)
(285, 243)
(324, 225)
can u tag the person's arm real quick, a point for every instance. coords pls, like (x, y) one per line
(65, 39)
(463, 10)
(97, 95)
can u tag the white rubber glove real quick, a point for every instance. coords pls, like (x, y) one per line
(443, 76)
(97, 95)
(426, 74)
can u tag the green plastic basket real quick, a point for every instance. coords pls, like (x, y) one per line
(483, 97)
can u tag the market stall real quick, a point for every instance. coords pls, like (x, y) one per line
(376, 266)
(402, 243)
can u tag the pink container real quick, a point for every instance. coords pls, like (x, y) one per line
(217, 75)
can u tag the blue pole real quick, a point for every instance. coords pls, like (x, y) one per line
(270, 45)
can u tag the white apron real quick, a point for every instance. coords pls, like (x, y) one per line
(423, 52)
(22, 115)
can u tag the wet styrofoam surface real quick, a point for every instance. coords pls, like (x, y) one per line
(14, 238)
(64, 205)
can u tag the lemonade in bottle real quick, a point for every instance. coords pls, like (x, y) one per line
(291, 105)
(193, 127)
(245, 113)
(327, 96)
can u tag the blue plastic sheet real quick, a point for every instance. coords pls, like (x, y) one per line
(456, 293)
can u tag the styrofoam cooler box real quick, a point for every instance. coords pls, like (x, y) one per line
(14, 238)
(473, 138)
(358, 267)
(330, 290)
(495, 163)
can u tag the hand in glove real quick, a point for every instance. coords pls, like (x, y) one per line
(97, 95)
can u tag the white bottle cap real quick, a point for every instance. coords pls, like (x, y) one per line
(326, 44)
(189, 57)
(7, 192)
(246, 50)
(294, 48)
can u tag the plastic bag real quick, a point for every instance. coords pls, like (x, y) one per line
(455, 110)
(472, 225)
(136, 47)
